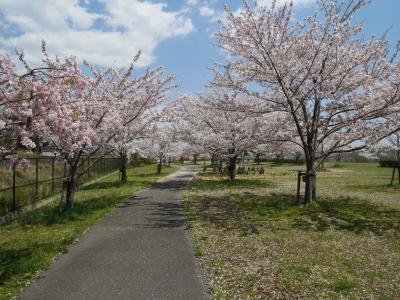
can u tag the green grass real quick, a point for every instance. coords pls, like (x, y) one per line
(30, 243)
(26, 195)
(255, 242)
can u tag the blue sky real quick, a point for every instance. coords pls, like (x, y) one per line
(177, 34)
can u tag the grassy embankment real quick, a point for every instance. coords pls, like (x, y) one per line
(254, 242)
(25, 179)
(30, 242)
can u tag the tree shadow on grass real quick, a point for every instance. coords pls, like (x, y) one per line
(50, 214)
(115, 184)
(143, 175)
(216, 182)
(102, 185)
(244, 211)
(23, 261)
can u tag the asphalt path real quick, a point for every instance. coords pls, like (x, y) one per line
(140, 250)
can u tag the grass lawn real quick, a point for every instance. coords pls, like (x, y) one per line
(254, 242)
(30, 243)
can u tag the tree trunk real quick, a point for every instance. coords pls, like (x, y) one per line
(159, 165)
(123, 166)
(258, 158)
(232, 168)
(195, 159)
(220, 165)
(71, 186)
(310, 189)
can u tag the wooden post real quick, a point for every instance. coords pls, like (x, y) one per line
(394, 172)
(52, 172)
(88, 168)
(298, 186)
(14, 201)
(37, 180)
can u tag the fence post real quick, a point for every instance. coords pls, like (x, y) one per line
(394, 173)
(298, 186)
(88, 166)
(52, 172)
(14, 202)
(37, 179)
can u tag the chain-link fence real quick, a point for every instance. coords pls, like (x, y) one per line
(21, 186)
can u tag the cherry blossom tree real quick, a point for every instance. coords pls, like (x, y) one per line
(81, 116)
(221, 123)
(388, 148)
(332, 83)
(142, 110)
(163, 146)
(120, 107)
(392, 142)
(30, 101)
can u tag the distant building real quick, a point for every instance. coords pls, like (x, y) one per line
(49, 150)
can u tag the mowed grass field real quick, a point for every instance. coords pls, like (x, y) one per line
(254, 242)
(31, 242)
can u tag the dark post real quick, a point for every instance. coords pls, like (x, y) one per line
(298, 186)
(52, 172)
(88, 166)
(394, 173)
(14, 202)
(37, 180)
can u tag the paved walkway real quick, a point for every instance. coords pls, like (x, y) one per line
(141, 250)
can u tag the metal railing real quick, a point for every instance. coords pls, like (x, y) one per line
(21, 186)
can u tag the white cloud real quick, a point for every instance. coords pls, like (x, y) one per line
(69, 28)
(206, 11)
